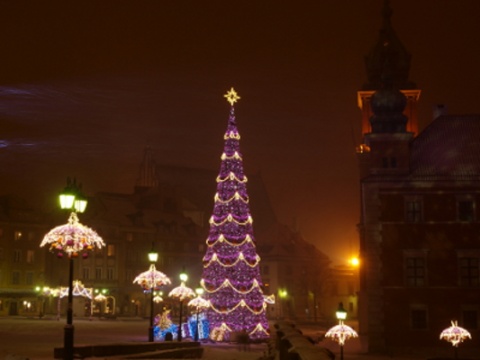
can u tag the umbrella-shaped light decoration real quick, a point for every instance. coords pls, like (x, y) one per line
(341, 333)
(181, 293)
(72, 238)
(198, 303)
(152, 279)
(455, 334)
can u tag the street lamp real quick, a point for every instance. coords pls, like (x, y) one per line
(152, 257)
(72, 239)
(149, 281)
(341, 313)
(198, 303)
(182, 293)
(183, 279)
(341, 332)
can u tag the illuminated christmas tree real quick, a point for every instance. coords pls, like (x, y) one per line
(231, 275)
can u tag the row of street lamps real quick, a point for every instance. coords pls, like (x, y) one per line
(74, 239)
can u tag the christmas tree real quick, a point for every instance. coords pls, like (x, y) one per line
(231, 275)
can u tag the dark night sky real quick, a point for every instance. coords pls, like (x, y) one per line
(86, 85)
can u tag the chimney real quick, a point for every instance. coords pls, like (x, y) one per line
(439, 110)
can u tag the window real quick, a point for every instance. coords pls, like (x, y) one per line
(415, 271)
(30, 256)
(418, 318)
(469, 271)
(465, 210)
(98, 273)
(470, 319)
(266, 270)
(110, 250)
(29, 278)
(17, 254)
(389, 162)
(413, 210)
(86, 273)
(110, 273)
(15, 277)
(17, 235)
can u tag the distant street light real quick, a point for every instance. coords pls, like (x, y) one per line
(198, 303)
(341, 313)
(150, 281)
(341, 332)
(181, 293)
(152, 257)
(71, 239)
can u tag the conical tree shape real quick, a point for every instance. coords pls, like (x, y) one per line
(231, 275)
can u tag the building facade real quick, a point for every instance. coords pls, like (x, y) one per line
(167, 211)
(419, 221)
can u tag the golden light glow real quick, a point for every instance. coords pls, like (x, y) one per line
(232, 96)
(354, 261)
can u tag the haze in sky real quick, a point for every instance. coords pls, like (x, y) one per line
(86, 86)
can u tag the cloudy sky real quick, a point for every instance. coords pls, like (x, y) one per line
(86, 85)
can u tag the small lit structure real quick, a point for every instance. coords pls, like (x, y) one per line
(341, 313)
(455, 335)
(72, 239)
(198, 303)
(151, 280)
(181, 293)
(341, 332)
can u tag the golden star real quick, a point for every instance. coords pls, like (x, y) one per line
(232, 96)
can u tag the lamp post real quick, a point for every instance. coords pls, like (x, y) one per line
(149, 281)
(199, 292)
(152, 257)
(341, 315)
(183, 279)
(181, 293)
(72, 239)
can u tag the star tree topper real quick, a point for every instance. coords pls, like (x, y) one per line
(232, 96)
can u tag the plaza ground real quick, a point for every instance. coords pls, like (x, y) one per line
(35, 339)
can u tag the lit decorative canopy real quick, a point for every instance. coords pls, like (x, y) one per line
(341, 333)
(152, 279)
(78, 289)
(182, 292)
(455, 334)
(199, 303)
(72, 238)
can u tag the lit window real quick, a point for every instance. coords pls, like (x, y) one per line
(17, 235)
(110, 250)
(30, 256)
